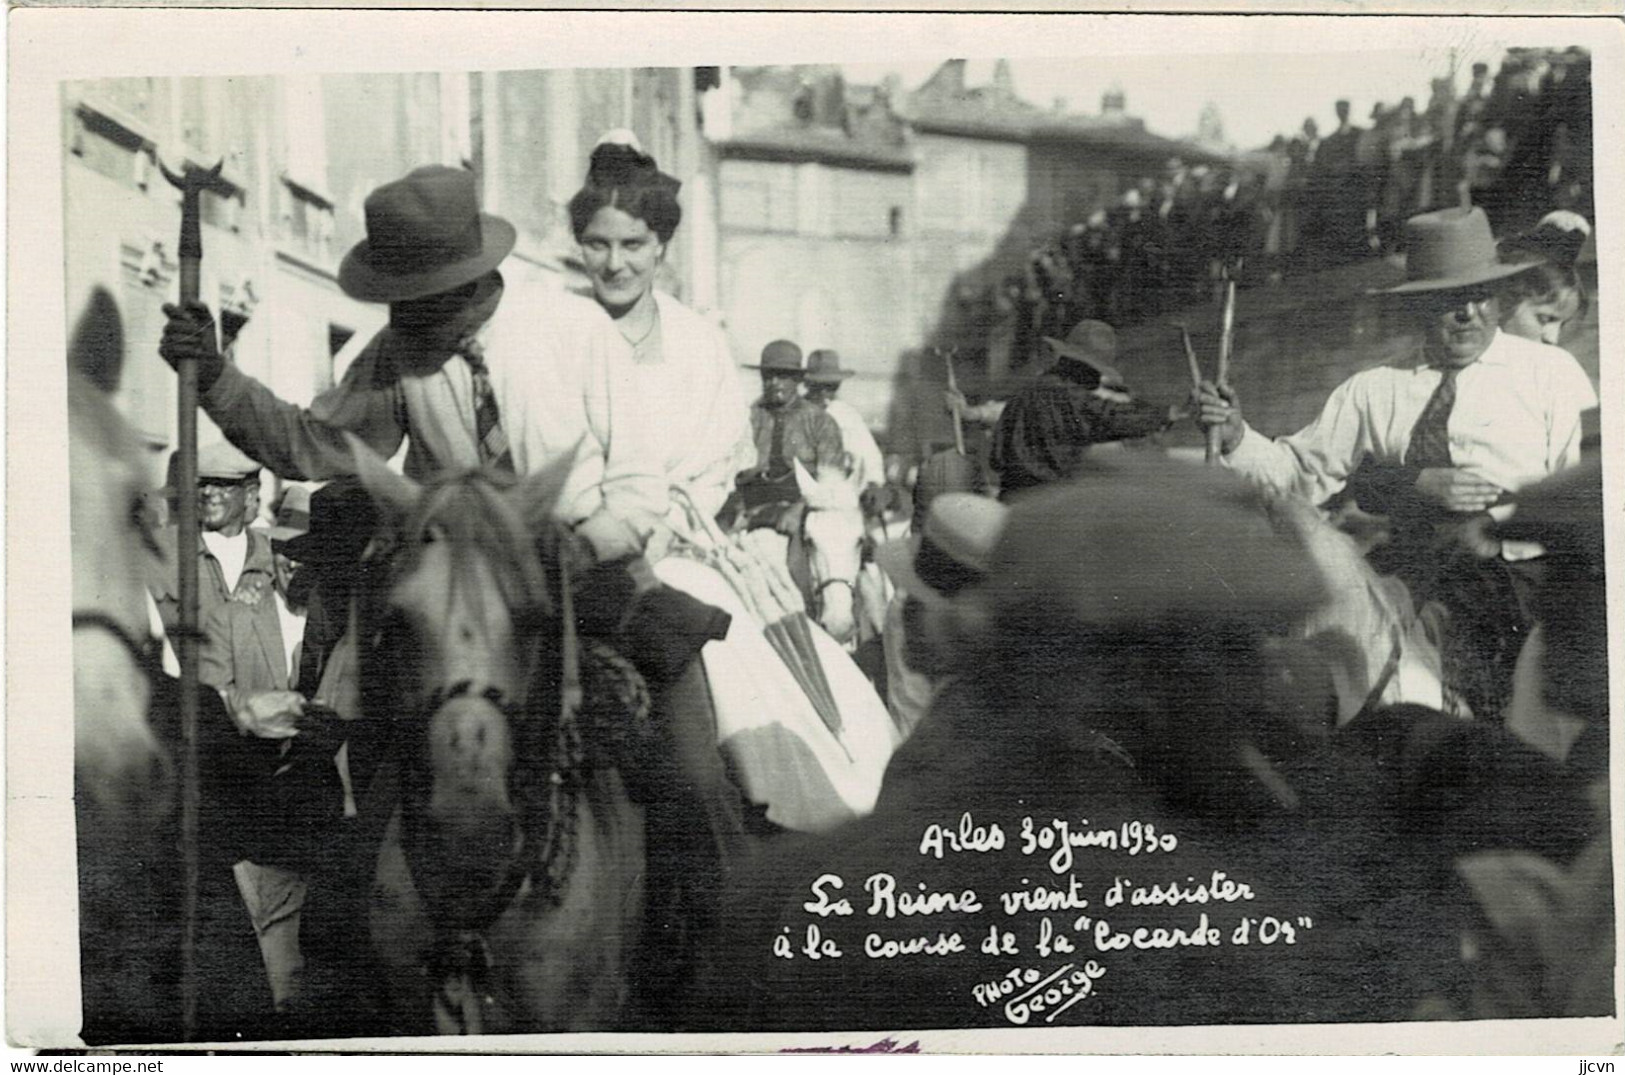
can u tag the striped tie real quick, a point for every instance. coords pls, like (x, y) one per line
(1430, 439)
(493, 442)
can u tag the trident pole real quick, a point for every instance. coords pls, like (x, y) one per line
(191, 182)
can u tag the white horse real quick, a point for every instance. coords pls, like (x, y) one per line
(1380, 649)
(832, 532)
(116, 755)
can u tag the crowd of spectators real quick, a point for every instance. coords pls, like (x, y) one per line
(1517, 144)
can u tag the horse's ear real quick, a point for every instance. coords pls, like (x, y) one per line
(536, 496)
(805, 481)
(394, 494)
(96, 350)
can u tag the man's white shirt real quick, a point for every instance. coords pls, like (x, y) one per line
(1516, 420)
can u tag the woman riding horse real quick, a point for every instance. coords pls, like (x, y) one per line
(624, 217)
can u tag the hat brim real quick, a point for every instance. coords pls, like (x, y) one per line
(1063, 349)
(360, 280)
(1452, 283)
(311, 550)
(896, 559)
(828, 378)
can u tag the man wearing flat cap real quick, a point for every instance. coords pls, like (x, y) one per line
(234, 560)
(1473, 415)
(465, 375)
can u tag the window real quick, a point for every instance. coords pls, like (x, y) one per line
(326, 372)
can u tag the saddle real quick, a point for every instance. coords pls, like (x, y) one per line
(658, 629)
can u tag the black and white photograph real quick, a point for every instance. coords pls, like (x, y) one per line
(1067, 527)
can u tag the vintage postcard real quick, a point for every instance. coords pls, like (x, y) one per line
(612, 531)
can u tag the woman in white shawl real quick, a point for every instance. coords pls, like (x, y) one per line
(624, 217)
(793, 769)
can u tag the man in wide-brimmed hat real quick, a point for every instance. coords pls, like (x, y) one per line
(785, 425)
(1473, 415)
(1047, 428)
(466, 375)
(824, 379)
(787, 429)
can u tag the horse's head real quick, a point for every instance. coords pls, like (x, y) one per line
(460, 649)
(834, 533)
(115, 751)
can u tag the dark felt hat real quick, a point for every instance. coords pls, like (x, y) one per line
(1094, 345)
(425, 235)
(1146, 541)
(1558, 238)
(342, 520)
(824, 367)
(1449, 249)
(292, 515)
(781, 356)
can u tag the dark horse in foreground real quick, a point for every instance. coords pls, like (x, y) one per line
(511, 890)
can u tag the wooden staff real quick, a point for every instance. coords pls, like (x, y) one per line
(1190, 356)
(1227, 332)
(953, 386)
(191, 182)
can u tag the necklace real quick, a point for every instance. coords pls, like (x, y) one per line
(653, 321)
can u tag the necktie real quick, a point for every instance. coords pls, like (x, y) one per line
(777, 464)
(1430, 439)
(493, 442)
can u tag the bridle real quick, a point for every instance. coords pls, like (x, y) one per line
(148, 655)
(547, 785)
(817, 609)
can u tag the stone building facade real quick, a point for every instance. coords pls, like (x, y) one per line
(300, 154)
(844, 216)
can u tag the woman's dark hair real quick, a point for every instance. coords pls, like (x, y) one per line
(622, 177)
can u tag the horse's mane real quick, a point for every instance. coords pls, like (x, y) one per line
(471, 512)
